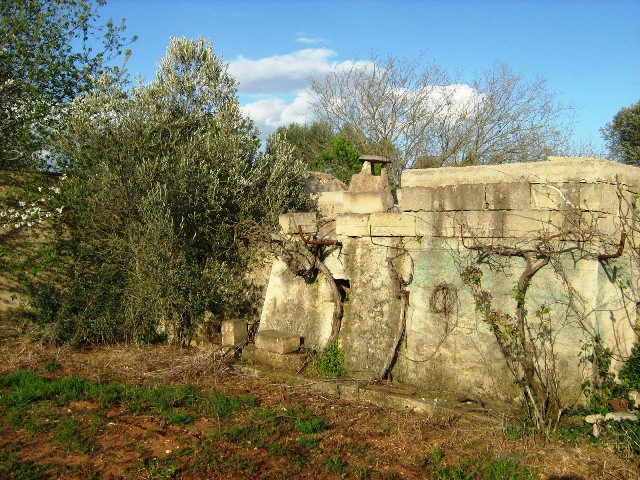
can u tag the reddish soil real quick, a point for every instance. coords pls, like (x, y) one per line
(362, 440)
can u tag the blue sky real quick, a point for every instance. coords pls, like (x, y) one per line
(589, 51)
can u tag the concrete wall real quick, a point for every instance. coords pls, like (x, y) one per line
(425, 241)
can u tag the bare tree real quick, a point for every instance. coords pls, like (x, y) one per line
(420, 116)
(389, 103)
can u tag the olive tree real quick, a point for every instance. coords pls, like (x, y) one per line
(158, 175)
(418, 115)
(49, 52)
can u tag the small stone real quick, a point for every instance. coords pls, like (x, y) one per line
(593, 418)
(618, 416)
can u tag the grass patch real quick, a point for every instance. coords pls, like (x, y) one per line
(11, 466)
(435, 466)
(75, 435)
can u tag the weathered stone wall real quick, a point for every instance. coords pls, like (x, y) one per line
(427, 240)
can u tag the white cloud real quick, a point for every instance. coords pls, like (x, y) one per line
(455, 101)
(275, 89)
(271, 112)
(283, 73)
(310, 40)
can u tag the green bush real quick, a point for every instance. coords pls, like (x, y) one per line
(630, 372)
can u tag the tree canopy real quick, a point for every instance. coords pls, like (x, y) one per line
(622, 135)
(49, 52)
(414, 113)
(158, 175)
(323, 150)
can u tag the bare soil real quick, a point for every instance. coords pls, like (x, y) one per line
(361, 440)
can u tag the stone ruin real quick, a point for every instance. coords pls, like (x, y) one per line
(401, 261)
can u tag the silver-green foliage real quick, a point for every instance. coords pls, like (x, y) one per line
(49, 52)
(158, 175)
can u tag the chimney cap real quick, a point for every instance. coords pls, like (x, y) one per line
(373, 159)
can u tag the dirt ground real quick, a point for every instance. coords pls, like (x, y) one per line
(361, 440)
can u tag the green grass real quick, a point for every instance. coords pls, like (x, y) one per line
(245, 439)
(11, 466)
(75, 435)
(435, 465)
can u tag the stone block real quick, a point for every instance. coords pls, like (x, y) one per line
(531, 223)
(436, 224)
(367, 202)
(463, 197)
(289, 222)
(290, 362)
(483, 224)
(555, 196)
(599, 197)
(352, 225)
(330, 203)
(234, 332)
(277, 341)
(413, 199)
(335, 262)
(508, 196)
(608, 225)
(392, 224)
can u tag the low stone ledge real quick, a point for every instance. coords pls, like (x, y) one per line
(353, 225)
(392, 224)
(289, 362)
(277, 341)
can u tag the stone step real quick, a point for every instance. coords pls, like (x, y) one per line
(289, 362)
(277, 341)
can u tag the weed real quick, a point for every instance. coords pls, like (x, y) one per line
(277, 449)
(222, 406)
(483, 469)
(311, 424)
(11, 466)
(573, 432)
(519, 428)
(630, 372)
(505, 469)
(364, 472)
(331, 362)
(178, 417)
(22, 418)
(69, 389)
(160, 468)
(335, 464)
(355, 448)
(52, 367)
(70, 432)
(243, 464)
(25, 387)
(106, 395)
(311, 443)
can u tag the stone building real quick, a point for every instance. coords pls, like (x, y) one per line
(400, 263)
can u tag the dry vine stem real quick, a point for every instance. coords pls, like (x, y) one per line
(300, 258)
(535, 388)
